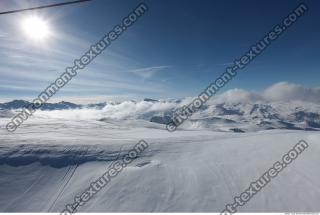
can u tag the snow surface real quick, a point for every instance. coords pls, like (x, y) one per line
(49, 160)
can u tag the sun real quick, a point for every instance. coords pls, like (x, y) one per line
(35, 28)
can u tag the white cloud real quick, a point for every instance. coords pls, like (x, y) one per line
(118, 111)
(279, 92)
(148, 72)
(284, 91)
(237, 96)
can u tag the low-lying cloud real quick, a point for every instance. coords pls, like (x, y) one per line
(284, 91)
(279, 92)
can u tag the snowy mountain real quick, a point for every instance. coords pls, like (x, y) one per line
(259, 116)
(217, 116)
(19, 104)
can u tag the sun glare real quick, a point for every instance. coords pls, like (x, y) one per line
(36, 28)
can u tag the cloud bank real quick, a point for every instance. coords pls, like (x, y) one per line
(284, 91)
(279, 92)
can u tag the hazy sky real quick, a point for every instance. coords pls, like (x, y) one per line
(175, 50)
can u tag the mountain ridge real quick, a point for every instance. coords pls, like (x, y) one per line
(235, 117)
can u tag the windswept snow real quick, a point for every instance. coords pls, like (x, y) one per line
(44, 164)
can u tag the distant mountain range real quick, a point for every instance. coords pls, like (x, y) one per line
(19, 104)
(239, 117)
(250, 117)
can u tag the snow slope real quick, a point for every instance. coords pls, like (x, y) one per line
(47, 161)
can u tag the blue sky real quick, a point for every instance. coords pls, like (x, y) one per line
(175, 50)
